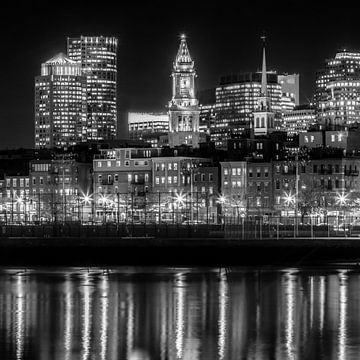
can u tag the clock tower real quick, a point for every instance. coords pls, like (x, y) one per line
(183, 107)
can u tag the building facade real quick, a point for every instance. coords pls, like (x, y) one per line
(98, 58)
(299, 120)
(236, 100)
(60, 103)
(183, 106)
(149, 127)
(337, 91)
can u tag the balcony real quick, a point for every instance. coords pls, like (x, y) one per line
(138, 182)
(351, 173)
(107, 182)
(325, 171)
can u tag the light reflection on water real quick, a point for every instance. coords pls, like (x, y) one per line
(179, 314)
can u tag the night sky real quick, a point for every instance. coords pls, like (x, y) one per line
(223, 38)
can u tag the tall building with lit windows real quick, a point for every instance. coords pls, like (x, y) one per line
(236, 100)
(337, 94)
(97, 56)
(183, 107)
(60, 103)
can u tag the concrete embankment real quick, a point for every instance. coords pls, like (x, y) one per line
(116, 251)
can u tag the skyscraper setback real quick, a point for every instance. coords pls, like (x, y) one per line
(97, 56)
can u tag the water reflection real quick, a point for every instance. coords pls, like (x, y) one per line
(167, 314)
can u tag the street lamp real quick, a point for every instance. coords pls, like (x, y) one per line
(104, 200)
(341, 200)
(289, 200)
(86, 199)
(221, 200)
(179, 200)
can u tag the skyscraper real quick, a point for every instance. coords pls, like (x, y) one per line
(60, 103)
(337, 94)
(183, 106)
(236, 100)
(97, 56)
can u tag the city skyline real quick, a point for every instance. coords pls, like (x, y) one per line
(292, 48)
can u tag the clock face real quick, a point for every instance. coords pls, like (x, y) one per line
(184, 83)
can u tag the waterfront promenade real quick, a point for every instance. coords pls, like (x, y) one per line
(203, 245)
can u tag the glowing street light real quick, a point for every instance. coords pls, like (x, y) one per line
(221, 199)
(341, 199)
(180, 199)
(86, 199)
(289, 199)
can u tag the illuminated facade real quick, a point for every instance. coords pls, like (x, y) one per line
(183, 107)
(97, 55)
(290, 91)
(60, 103)
(299, 120)
(337, 93)
(236, 100)
(148, 126)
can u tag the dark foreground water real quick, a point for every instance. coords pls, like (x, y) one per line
(142, 314)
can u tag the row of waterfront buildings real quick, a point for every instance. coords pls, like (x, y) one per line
(133, 183)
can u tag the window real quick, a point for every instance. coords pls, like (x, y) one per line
(99, 178)
(203, 189)
(157, 180)
(277, 185)
(118, 163)
(202, 177)
(239, 171)
(233, 171)
(8, 182)
(116, 177)
(157, 167)
(127, 163)
(127, 154)
(136, 178)
(163, 179)
(266, 172)
(146, 177)
(250, 173)
(21, 182)
(99, 164)
(226, 171)
(211, 190)
(332, 138)
(14, 182)
(258, 172)
(175, 166)
(315, 169)
(169, 166)
(41, 180)
(109, 179)
(169, 179)
(129, 177)
(211, 177)
(162, 166)
(286, 169)
(108, 163)
(33, 181)
(26, 182)
(175, 179)
(277, 167)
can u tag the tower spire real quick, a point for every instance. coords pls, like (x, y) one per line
(263, 72)
(183, 57)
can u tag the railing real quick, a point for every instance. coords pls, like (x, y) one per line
(235, 228)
